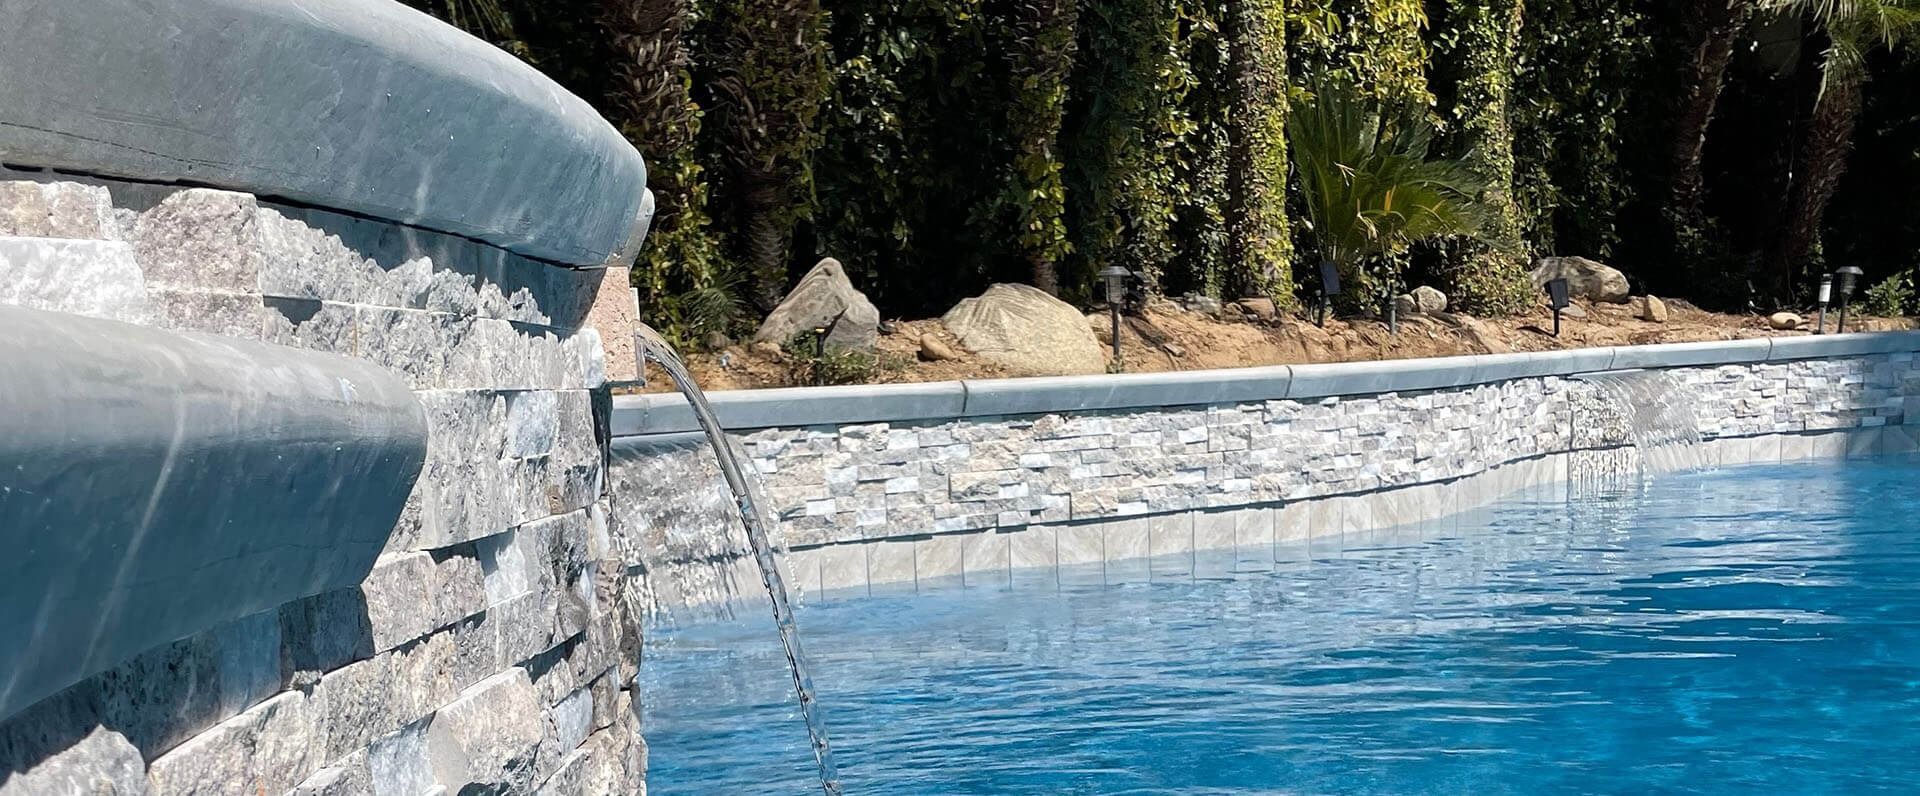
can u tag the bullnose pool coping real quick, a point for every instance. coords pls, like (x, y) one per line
(792, 407)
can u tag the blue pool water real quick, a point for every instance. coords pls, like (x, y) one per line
(1754, 629)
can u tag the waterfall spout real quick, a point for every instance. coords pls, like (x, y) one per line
(758, 520)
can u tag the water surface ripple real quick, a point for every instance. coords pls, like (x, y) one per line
(1753, 629)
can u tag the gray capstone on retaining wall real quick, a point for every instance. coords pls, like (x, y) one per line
(497, 587)
(365, 106)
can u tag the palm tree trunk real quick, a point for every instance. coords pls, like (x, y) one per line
(1822, 161)
(1259, 247)
(1714, 26)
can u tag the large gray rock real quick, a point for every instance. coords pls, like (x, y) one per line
(1588, 279)
(824, 294)
(1025, 330)
(1429, 300)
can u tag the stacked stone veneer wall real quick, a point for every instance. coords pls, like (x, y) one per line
(982, 499)
(487, 649)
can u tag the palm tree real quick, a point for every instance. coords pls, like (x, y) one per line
(769, 81)
(1853, 29)
(1371, 189)
(1712, 27)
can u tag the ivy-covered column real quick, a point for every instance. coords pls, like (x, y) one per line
(1125, 125)
(1042, 59)
(1483, 35)
(1259, 247)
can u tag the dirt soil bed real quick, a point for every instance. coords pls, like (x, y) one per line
(1165, 337)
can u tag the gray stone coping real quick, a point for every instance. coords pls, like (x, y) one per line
(635, 415)
(363, 106)
(155, 484)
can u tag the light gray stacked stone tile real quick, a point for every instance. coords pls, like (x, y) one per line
(502, 564)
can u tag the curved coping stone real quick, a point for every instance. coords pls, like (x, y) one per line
(365, 106)
(791, 407)
(1680, 355)
(154, 484)
(986, 397)
(1842, 345)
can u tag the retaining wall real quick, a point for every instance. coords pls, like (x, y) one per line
(981, 481)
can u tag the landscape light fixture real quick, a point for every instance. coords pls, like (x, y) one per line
(819, 342)
(1848, 277)
(1826, 295)
(1329, 287)
(1116, 279)
(1558, 296)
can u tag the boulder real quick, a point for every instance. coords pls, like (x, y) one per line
(1025, 330)
(1785, 321)
(1573, 311)
(1429, 300)
(1650, 308)
(1588, 279)
(822, 295)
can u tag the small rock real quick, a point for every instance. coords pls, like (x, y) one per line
(1650, 308)
(1429, 300)
(1259, 307)
(932, 350)
(1784, 321)
(1203, 304)
(1574, 311)
(1587, 279)
(715, 341)
(765, 348)
(889, 327)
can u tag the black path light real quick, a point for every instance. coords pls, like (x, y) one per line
(1848, 277)
(1558, 297)
(1329, 287)
(1116, 279)
(1826, 295)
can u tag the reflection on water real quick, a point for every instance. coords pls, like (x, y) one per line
(1747, 629)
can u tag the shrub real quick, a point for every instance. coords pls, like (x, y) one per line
(811, 364)
(1892, 298)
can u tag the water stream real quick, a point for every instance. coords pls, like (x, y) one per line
(758, 520)
(1660, 421)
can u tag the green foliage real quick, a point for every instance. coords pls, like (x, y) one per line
(1891, 298)
(1124, 128)
(1259, 246)
(1580, 70)
(810, 364)
(1042, 58)
(765, 73)
(1480, 42)
(1374, 45)
(1371, 188)
(650, 97)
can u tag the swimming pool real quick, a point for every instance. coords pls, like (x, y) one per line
(1755, 628)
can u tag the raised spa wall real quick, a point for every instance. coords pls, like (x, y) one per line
(1016, 481)
(410, 243)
